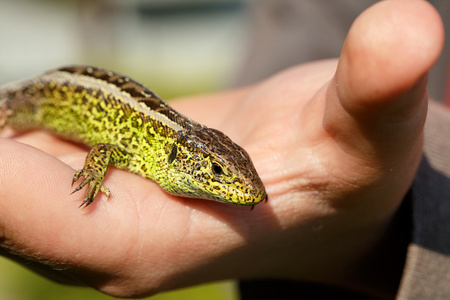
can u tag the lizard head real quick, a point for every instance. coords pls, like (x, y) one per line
(206, 164)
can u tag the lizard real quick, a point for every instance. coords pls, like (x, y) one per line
(127, 126)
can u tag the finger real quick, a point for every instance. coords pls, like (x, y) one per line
(377, 101)
(39, 219)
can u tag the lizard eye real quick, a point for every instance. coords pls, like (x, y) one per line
(217, 169)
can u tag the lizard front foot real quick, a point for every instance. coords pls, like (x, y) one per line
(94, 181)
(99, 158)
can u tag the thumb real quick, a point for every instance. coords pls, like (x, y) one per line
(377, 104)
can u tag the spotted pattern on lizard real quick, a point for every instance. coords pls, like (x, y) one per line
(131, 128)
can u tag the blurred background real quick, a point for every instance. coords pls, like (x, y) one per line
(175, 47)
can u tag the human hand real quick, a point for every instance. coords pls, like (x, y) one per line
(336, 153)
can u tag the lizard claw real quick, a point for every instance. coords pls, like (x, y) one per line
(94, 182)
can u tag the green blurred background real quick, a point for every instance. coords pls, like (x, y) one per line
(18, 283)
(175, 47)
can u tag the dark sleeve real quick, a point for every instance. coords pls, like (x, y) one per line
(427, 270)
(294, 290)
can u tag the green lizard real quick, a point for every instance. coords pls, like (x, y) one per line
(130, 128)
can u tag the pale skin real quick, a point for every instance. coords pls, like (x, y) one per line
(337, 144)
